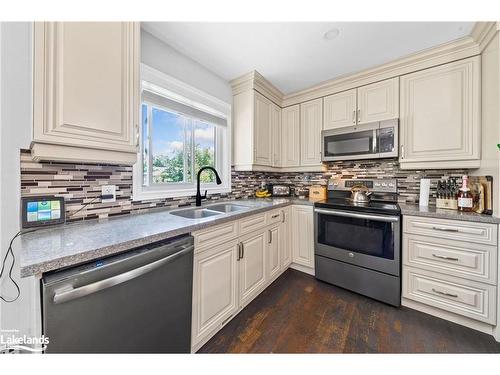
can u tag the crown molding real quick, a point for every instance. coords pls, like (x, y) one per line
(483, 33)
(471, 45)
(256, 81)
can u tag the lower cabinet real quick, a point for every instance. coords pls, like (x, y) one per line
(303, 236)
(234, 262)
(252, 266)
(215, 289)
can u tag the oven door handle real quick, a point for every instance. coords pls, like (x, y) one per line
(388, 219)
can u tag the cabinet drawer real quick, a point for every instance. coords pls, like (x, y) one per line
(273, 217)
(451, 229)
(215, 235)
(473, 262)
(254, 222)
(468, 298)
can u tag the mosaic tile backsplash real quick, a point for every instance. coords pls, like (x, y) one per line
(81, 183)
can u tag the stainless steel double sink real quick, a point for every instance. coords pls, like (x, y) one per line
(208, 211)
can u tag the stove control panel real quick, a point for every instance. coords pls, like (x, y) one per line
(379, 185)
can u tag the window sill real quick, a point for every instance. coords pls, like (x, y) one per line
(176, 193)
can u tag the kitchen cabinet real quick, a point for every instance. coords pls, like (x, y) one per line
(285, 230)
(252, 265)
(311, 125)
(215, 294)
(375, 102)
(86, 92)
(340, 110)
(256, 131)
(303, 236)
(276, 137)
(263, 141)
(274, 248)
(440, 116)
(290, 130)
(378, 101)
(450, 269)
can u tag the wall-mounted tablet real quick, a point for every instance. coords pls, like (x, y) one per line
(42, 211)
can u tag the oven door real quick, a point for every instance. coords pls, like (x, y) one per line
(368, 240)
(353, 142)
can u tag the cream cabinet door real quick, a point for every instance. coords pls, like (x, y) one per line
(285, 236)
(311, 125)
(263, 144)
(276, 137)
(378, 101)
(86, 85)
(340, 110)
(290, 135)
(303, 235)
(273, 253)
(440, 116)
(214, 289)
(252, 266)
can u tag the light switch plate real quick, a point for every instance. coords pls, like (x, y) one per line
(109, 190)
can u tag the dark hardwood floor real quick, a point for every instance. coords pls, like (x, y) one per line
(299, 314)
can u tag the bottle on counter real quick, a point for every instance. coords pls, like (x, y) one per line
(465, 197)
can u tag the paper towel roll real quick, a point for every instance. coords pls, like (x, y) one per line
(425, 188)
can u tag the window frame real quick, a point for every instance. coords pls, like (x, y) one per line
(165, 85)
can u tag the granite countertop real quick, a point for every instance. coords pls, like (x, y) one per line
(440, 213)
(67, 245)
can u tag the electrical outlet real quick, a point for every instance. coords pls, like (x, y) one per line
(108, 190)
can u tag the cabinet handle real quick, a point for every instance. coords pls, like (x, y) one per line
(239, 252)
(275, 216)
(444, 293)
(445, 257)
(446, 229)
(270, 236)
(242, 250)
(402, 151)
(359, 115)
(136, 135)
(353, 117)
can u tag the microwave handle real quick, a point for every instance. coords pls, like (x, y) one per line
(376, 135)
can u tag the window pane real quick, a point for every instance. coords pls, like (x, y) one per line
(145, 146)
(204, 149)
(168, 146)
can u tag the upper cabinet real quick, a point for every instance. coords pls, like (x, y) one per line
(290, 136)
(340, 110)
(378, 101)
(86, 91)
(311, 125)
(375, 102)
(440, 116)
(256, 131)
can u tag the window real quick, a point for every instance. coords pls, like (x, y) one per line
(179, 135)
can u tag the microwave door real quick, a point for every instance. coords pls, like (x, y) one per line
(351, 143)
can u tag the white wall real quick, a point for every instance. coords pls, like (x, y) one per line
(490, 121)
(15, 133)
(164, 58)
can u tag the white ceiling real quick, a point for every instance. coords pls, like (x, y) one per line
(294, 55)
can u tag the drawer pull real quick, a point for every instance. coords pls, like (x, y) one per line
(444, 293)
(445, 257)
(446, 229)
(275, 216)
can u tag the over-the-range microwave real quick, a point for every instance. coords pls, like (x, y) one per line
(369, 141)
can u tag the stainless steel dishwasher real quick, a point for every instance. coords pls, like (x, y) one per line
(135, 302)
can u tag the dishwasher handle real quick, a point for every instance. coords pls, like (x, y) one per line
(66, 295)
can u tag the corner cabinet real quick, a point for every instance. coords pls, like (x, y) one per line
(256, 131)
(440, 116)
(86, 91)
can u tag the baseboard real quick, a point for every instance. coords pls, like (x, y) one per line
(470, 323)
(301, 268)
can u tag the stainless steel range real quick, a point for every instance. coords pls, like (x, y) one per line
(358, 244)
